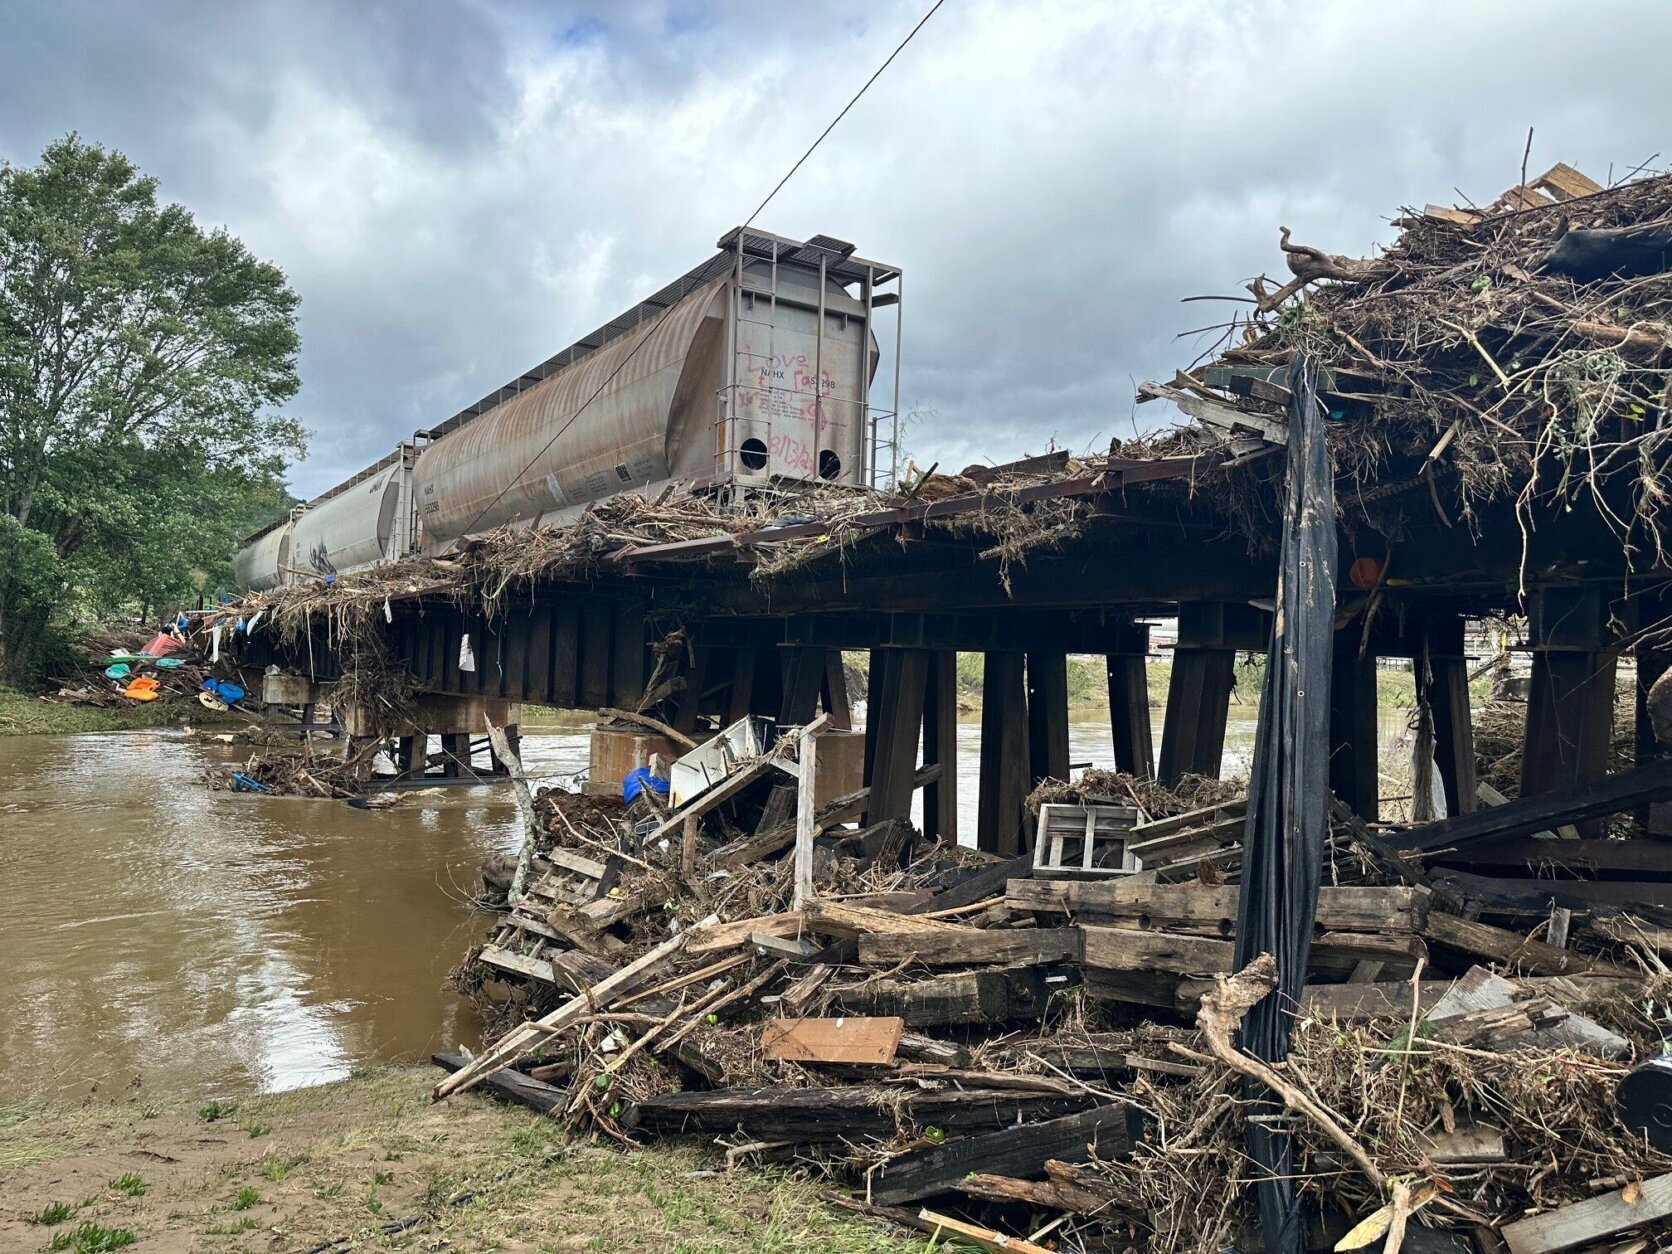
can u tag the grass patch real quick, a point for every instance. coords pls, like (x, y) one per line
(209, 1112)
(131, 1183)
(488, 1177)
(24, 714)
(90, 1238)
(53, 1215)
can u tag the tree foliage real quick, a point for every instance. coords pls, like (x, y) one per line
(141, 361)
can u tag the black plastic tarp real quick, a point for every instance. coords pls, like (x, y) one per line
(1288, 790)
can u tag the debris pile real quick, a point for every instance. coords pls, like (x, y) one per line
(175, 665)
(1040, 1052)
(1516, 350)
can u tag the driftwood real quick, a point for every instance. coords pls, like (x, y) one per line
(649, 724)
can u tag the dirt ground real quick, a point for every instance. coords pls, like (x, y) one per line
(371, 1163)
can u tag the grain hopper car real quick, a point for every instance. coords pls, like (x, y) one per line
(753, 369)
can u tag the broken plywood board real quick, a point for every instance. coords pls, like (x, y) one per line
(1591, 1220)
(848, 1039)
(1480, 990)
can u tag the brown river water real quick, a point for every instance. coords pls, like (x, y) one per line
(159, 935)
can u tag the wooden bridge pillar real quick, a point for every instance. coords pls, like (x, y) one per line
(1047, 716)
(688, 705)
(1004, 755)
(1446, 688)
(456, 745)
(833, 692)
(1654, 658)
(804, 675)
(1354, 765)
(1199, 693)
(1129, 711)
(940, 747)
(1570, 707)
(897, 714)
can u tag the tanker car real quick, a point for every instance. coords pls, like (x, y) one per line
(755, 368)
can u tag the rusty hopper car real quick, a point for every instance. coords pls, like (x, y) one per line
(363, 521)
(752, 368)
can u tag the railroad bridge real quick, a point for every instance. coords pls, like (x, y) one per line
(1075, 560)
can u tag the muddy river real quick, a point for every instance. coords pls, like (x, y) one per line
(161, 936)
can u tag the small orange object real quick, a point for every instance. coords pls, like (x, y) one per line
(1366, 573)
(143, 688)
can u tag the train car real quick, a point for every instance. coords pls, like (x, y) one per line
(264, 561)
(363, 521)
(752, 368)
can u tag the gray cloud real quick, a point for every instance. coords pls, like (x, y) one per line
(459, 189)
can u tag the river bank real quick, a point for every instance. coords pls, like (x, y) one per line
(342, 1162)
(28, 714)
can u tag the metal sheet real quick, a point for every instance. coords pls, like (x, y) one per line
(354, 529)
(261, 563)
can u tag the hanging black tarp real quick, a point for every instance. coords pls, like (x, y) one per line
(1288, 789)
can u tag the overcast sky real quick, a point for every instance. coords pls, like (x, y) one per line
(459, 189)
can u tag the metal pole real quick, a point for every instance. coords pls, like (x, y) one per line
(899, 320)
(818, 369)
(863, 413)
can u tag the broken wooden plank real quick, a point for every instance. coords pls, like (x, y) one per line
(973, 946)
(511, 1086)
(1468, 1144)
(915, 1047)
(1219, 415)
(608, 911)
(950, 1231)
(517, 964)
(1022, 1151)
(783, 946)
(587, 868)
(1128, 949)
(981, 884)
(730, 935)
(823, 1115)
(1510, 948)
(994, 996)
(1651, 781)
(649, 724)
(1580, 1223)
(1040, 1194)
(1211, 909)
(849, 1039)
(1107, 1053)
(520, 1039)
(1629, 930)
(847, 921)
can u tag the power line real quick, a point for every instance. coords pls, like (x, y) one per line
(556, 435)
(844, 113)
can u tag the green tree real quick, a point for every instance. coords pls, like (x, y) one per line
(141, 358)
